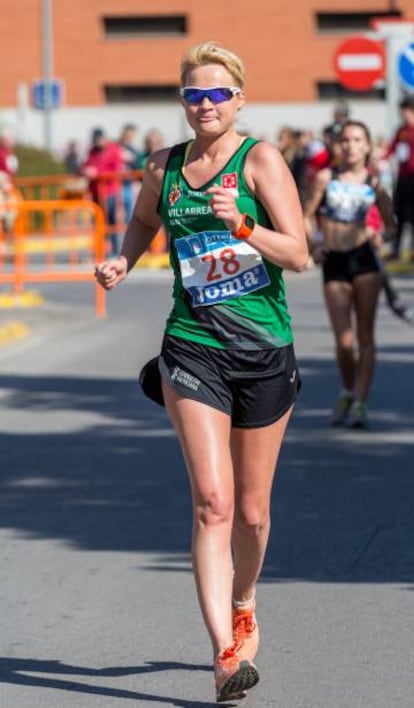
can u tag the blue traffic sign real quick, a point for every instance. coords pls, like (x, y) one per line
(47, 94)
(406, 67)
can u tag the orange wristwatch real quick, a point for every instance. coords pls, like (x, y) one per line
(246, 227)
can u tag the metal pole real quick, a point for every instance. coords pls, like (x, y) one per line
(393, 90)
(47, 70)
(22, 103)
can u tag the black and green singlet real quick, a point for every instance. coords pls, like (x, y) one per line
(226, 295)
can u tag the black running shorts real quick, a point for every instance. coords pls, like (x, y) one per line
(347, 265)
(255, 388)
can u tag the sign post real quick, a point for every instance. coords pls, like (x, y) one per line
(396, 34)
(47, 70)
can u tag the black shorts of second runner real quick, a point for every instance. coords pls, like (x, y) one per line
(255, 388)
(347, 265)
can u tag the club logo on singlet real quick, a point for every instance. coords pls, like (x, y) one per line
(216, 267)
(174, 194)
(229, 181)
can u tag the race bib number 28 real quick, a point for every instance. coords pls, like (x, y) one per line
(215, 267)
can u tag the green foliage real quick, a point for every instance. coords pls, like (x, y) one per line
(35, 161)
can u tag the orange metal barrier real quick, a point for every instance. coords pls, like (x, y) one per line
(159, 243)
(55, 241)
(44, 187)
(66, 186)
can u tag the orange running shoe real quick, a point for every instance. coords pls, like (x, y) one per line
(233, 675)
(246, 630)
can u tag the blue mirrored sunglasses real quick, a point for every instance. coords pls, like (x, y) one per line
(217, 94)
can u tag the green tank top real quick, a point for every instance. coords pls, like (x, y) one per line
(226, 295)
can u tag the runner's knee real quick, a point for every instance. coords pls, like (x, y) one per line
(366, 341)
(251, 519)
(345, 344)
(213, 510)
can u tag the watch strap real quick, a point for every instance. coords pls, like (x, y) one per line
(246, 227)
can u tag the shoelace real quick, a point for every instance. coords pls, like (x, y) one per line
(243, 623)
(229, 653)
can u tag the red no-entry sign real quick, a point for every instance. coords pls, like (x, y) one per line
(359, 62)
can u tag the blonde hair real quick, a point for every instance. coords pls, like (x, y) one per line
(213, 53)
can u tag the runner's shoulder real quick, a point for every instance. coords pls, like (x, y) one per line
(263, 161)
(263, 153)
(155, 167)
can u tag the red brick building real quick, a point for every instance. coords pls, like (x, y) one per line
(125, 51)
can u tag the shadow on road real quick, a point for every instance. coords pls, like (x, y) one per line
(15, 671)
(343, 500)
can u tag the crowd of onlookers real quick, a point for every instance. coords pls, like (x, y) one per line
(94, 174)
(305, 151)
(106, 158)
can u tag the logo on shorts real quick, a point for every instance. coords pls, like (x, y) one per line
(184, 378)
(293, 377)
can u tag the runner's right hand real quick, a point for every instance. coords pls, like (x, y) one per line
(110, 273)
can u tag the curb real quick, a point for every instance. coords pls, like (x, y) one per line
(153, 261)
(30, 298)
(399, 267)
(12, 332)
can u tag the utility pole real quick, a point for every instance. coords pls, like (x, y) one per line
(47, 47)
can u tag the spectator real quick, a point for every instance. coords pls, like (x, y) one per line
(8, 160)
(382, 163)
(290, 145)
(402, 146)
(8, 202)
(103, 159)
(332, 140)
(130, 162)
(8, 167)
(154, 140)
(317, 157)
(341, 114)
(71, 158)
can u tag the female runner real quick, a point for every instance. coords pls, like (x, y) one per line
(352, 277)
(229, 376)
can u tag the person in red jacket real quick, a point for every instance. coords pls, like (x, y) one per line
(105, 157)
(8, 168)
(8, 160)
(402, 146)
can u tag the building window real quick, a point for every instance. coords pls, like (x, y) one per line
(334, 90)
(344, 22)
(145, 26)
(127, 93)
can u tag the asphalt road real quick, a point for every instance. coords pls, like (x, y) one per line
(97, 601)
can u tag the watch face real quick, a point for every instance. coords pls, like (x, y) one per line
(249, 222)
